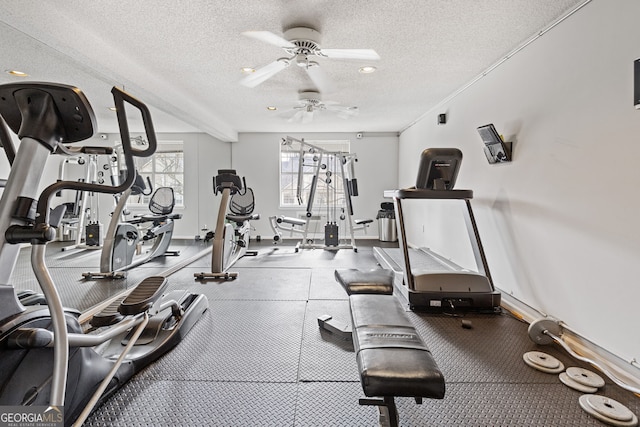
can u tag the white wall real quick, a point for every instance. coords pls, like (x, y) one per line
(559, 224)
(256, 156)
(203, 156)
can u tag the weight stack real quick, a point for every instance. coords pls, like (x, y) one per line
(331, 234)
(94, 236)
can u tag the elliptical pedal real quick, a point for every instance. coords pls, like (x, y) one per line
(143, 296)
(109, 315)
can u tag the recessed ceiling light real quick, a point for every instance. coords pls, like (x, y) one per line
(247, 70)
(367, 69)
(113, 109)
(271, 108)
(17, 73)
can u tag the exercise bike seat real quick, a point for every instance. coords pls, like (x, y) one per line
(161, 207)
(241, 207)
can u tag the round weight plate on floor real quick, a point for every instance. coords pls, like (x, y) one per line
(585, 377)
(559, 367)
(542, 359)
(608, 410)
(566, 380)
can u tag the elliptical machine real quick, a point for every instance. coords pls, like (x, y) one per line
(232, 233)
(47, 362)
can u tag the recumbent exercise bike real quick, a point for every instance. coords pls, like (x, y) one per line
(123, 242)
(232, 233)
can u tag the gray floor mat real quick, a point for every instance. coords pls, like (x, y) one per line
(266, 284)
(324, 285)
(478, 404)
(489, 352)
(324, 356)
(198, 403)
(333, 404)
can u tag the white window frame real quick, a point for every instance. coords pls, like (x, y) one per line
(137, 202)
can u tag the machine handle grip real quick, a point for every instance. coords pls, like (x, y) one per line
(6, 143)
(150, 185)
(119, 98)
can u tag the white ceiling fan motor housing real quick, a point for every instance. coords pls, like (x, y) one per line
(310, 96)
(302, 36)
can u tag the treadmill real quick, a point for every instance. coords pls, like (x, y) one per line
(426, 280)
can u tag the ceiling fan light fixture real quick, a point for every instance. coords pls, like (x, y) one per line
(368, 69)
(302, 61)
(17, 73)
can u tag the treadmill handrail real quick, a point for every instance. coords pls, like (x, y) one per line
(417, 193)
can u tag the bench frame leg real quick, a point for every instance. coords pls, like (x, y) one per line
(341, 330)
(387, 408)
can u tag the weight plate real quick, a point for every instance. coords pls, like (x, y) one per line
(566, 380)
(542, 359)
(609, 408)
(585, 377)
(538, 330)
(589, 409)
(557, 370)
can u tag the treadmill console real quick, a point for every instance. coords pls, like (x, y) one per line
(438, 168)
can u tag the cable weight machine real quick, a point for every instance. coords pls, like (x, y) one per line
(330, 171)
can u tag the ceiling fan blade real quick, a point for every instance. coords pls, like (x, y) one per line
(342, 111)
(320, 78)
(296, 117)
(341, 108)
(268, 37)
(366, 54)
(307, 116)
(264, 73)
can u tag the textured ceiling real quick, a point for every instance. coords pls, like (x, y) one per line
(183, 57)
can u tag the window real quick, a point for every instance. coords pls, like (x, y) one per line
(165, 168)
(329, 190)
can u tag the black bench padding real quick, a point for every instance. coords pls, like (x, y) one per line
(354, 281)
(392, 358)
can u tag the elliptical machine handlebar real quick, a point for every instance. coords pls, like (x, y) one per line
(5, 141)
(42, 231)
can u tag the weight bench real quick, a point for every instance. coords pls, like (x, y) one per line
(393, 361)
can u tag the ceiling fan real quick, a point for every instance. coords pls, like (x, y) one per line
(301, 43)
(310, 103)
